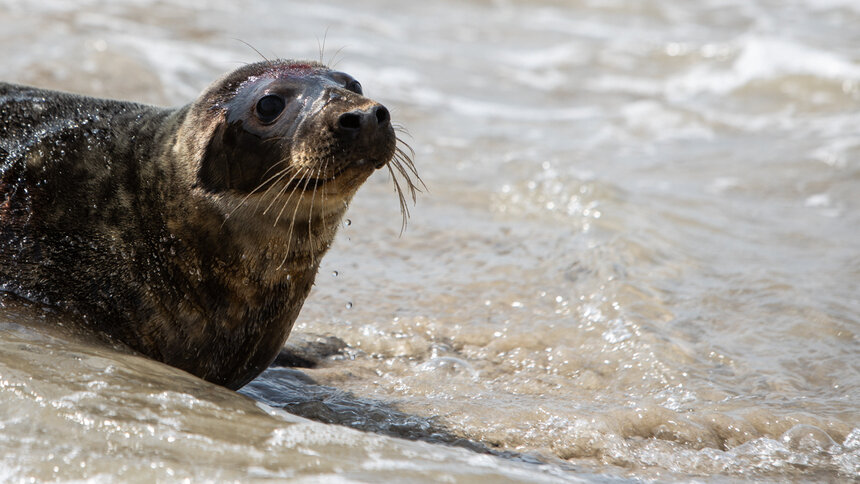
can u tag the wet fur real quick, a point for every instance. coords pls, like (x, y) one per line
(131, 216)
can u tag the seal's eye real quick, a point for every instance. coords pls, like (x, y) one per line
(269, 107)
(354, 86)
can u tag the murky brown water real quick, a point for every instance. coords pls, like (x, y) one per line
(639, 256)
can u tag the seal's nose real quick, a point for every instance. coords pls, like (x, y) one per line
(370, 119)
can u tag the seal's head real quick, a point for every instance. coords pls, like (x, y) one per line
(298, 135)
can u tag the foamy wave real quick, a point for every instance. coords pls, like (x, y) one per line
(763, 58)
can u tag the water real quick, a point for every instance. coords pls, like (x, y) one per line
(638, 258)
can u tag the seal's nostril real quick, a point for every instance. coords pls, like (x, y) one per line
(355, 120)
(382, 115)
(349, 121)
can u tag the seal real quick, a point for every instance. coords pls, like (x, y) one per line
(192, 235)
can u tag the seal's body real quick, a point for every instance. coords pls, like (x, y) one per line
(192, 235)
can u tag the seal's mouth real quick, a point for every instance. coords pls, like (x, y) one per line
(312, 183)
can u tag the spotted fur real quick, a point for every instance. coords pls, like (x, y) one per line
(193, 235)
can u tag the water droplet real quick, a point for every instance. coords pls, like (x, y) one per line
(347, 222)
(349, 305)
(334, 273)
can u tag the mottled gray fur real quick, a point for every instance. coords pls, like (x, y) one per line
(193, 235)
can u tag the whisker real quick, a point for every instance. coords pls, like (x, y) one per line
(292, 219)
(297, 188)
(274, 165)
(401, 129)
(410, 154)
(333, 63)
(290, 232)
(321, 46)
(404, 209)
(407, 157)
(280, 176)
(402, 158)
(325, 197)
(311, 215)
(274, 138)
(282, 191)
(408, 182)
(253, 48)
(245, 198)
